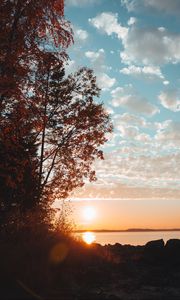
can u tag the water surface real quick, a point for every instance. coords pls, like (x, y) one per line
(132, 238)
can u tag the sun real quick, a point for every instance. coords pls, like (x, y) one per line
(89, 213)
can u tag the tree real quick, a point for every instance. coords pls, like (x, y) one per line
(65, 125)
(26, 27)
(51, 125)
(18, 165)
(73, 126)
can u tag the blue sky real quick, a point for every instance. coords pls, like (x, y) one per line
(134, 48)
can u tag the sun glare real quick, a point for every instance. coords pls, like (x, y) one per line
(88, 237)
(89, 213)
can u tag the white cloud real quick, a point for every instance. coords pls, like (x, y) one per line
(104, 81)
(143, 165)
(145, 46)
(129, 132)
(165, 82)
(170, 99)
(162, 125)
(129, 126)
(150, 47)
(144, 170)
(132, 119)
(161, 28)
(170, 133)
(146, 72)
(107, 22)
(143, 137)
(141, 161)
(97, 59)
(132, 21)
(81, 2)
(130, 5)
(167, 6)
(130, 99)
(81, 34)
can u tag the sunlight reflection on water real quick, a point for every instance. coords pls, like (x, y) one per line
(132, 238)
(88, 237)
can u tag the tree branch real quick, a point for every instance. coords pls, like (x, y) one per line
(55, 152)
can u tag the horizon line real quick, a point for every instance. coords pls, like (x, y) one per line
(76, 199)
(127, 230)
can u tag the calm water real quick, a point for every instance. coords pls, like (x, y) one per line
(132, 238)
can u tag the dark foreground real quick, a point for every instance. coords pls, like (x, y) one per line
(74, 271)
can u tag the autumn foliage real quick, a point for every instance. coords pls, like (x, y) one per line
(50, 125)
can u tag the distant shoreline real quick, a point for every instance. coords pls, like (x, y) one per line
(126, 230)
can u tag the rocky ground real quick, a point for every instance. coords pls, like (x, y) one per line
(135, 273)
(111, 272)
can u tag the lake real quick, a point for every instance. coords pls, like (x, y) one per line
(132, 238)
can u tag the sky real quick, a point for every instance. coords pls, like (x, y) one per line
(133, 46)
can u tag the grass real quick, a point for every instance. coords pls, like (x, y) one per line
(41, 260)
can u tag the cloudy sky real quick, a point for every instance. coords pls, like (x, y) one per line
(134, 48)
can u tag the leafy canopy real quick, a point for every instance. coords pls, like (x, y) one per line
(51, 126)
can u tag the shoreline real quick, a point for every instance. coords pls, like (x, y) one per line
(91, 272)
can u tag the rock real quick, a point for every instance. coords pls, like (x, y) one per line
(157, 244)
(172, 250)
(154, 251)
(173, 244)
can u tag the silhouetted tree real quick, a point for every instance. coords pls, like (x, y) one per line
(51, 127)
(18, 164)
(73, 126)
(27, 26)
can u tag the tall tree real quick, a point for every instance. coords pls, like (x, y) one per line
(73, 126)
(27, 26)
(51, 126)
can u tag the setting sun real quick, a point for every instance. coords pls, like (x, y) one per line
(88, 237)
(89, 213)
